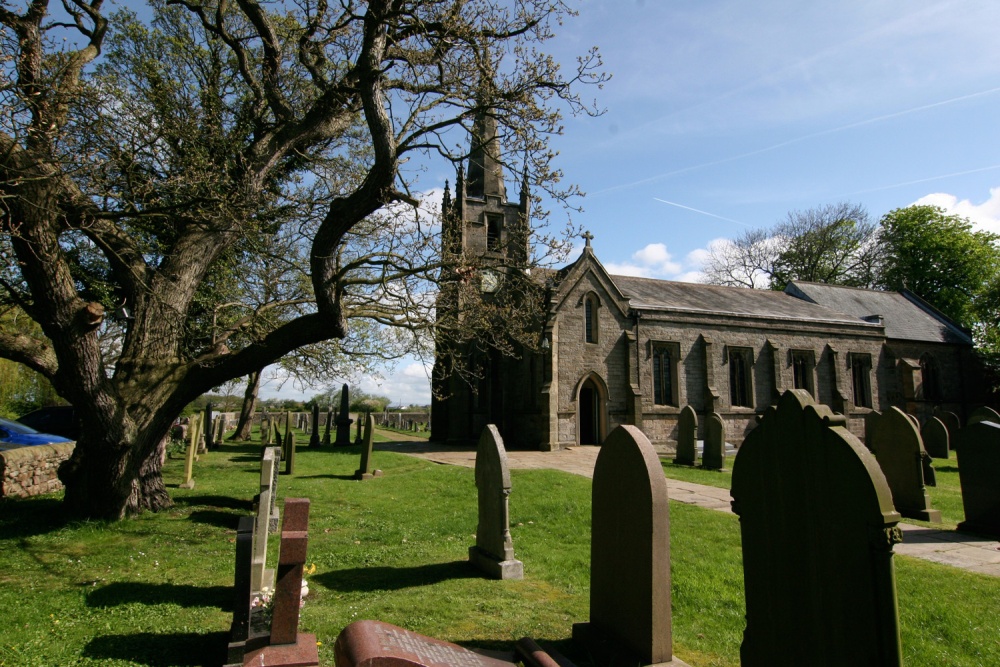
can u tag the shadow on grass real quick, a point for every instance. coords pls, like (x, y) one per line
(217, 518)
(347, 477)
(395, 578)
(147, 648)
(220, 502)
(30, 516)
(946, 468)
(183, 595)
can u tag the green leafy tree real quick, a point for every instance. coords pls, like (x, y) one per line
(147, 182)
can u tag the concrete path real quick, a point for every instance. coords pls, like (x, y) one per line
(963, 550)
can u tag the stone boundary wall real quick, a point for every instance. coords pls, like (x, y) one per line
(31, 471)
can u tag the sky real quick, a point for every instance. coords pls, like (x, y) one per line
(724, 115)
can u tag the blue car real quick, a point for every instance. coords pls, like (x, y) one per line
(15, 434)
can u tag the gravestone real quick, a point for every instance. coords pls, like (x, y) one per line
(344, 419)
(818, 526)
(493, 552)
(192, 448)
(314, 424)
(713, 454)
(979, 474)
(871, 420)
(687, 436)
(207, 426)
(983, 414)
(261, 576)
(900, 454)
(357, 438)
(378, 644)
(326, 429)
(935, 437)
(365, 472)
(265, 430)
(239, 630)
(952, 423)
(629, 556)
(289, 450)
(286, 645)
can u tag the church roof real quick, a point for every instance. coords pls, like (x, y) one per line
(648, 293)
(906, 316)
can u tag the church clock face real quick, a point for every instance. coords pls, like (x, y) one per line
(489, 281)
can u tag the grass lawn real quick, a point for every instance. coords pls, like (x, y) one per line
(156, 590)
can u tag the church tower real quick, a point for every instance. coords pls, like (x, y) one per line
(480, 225)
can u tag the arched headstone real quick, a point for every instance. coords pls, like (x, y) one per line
(983, 414)
(687, 435)
(900, 453)
(818, 527)
(713, 454)
(629, 555)
(493, 552)
(979, 474)
(935, 437)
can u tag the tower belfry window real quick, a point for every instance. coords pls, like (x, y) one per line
(494, 225)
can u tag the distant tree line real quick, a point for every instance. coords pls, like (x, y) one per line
(937, 256)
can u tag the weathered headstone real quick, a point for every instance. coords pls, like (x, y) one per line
(289, 450)
(314, 424)
(935, 437)
(493, 552)
(979, 474)
(713, 454)
(952, 423)
(378, 644)
(687, 436)
(983, 414)
(261, 576)
(900, 454)
(265, 430)
(357, 438)
(818, 527)
(365, 471)
(326, 429)
(239, 631)
(207, 425)
(344, 419)
(188, 482)
(629, 556)
(195, 434)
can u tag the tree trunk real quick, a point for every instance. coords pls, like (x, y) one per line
(249, 408)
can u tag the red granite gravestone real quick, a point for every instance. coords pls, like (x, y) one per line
(818, 526)
(287, 645)
(630, 620)
(378, 644)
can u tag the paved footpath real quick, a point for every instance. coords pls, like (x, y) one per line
(969, 552)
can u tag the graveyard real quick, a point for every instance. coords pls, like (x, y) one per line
(158, 590)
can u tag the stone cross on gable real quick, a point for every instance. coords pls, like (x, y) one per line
(588, 237)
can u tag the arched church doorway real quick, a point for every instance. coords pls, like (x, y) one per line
(590, 404)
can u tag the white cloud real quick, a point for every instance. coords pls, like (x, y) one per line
(653, 261)
(984, 216)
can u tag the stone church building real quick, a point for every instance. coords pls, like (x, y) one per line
(624, 350)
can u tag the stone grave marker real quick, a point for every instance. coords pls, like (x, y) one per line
(818, 526)
(493, 552)
(365, 472)
(952, 423)
(239, 630)
(935, 437)
(900, 454)
(314, 427)
(289, 447)
(207, 426)
(871, 420)
(261, 576)
(344, 419)
(983, 414)
(265, 430)
(687, 437)
(286, 645)
(326, 429)
(378, 644)
(979, 474)
(629, 556)
(192, 449)
(713, 455)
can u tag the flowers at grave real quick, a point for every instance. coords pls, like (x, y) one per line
(263, 601)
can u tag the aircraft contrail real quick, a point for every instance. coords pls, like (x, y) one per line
(688, 208)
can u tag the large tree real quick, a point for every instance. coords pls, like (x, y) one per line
(145, 183)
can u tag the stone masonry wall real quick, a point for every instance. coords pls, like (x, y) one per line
(31, 471)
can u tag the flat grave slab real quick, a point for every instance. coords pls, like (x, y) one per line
(378, 644)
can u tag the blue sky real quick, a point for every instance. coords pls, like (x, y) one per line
(725, 114)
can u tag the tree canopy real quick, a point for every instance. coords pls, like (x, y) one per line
(147, 165)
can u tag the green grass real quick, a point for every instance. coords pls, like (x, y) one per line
(156, 590)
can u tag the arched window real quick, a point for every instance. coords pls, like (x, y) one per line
(929, 379)
(590, 306)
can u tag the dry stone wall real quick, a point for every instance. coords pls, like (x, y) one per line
(31, 471)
